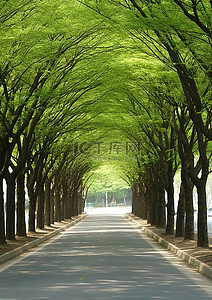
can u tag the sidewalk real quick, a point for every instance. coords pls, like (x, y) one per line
(198, 258)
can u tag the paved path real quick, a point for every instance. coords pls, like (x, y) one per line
(103, 257)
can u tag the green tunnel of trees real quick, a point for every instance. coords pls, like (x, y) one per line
(119, 88)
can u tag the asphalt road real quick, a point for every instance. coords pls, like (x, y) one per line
(103, 257)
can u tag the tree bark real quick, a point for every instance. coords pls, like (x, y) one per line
(40, 208)
(187, 161)
(69, 207)
(47, 199)
(161, 214)
(63, 201)
(185, 147)
(2, 220)
(134, 200)
(170, 204)
(21, 222)
(189, 209)
(52, 203)
(153, 201)
(81, 199)
(202, 232)
(200, 183)
(75, 202)
(137, 200)
(142, 194)
(65, 198)
(180, 222)
(57, 200)
(10, 207)
(34, 183)
(32, 211)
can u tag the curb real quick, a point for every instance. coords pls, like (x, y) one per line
(12, 254)
(192, 261)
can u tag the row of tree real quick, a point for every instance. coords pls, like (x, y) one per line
(45, 92)
(167, 98)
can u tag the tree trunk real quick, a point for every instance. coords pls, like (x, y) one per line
(154, 205)
(161, 214)
(202, 232)
(62, 207)
(34, 184)
(10, 207)
(2, 225)
(134, 200)
(80, 203)
(185, 146)
(200, 183)
(57, 204)
(65, 198)
(68, 207)
(52, 203)
(170, 205)
(180, 222)
(75, 203)
(66, 202)
(32, 210)
(81, 199)
(40, 208)
(21, 222)
(63, 203)
(150, 206)
(137, 198)
(142, 196)
(47, 197)
(189, 209)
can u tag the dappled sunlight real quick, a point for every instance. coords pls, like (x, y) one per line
(103, 257)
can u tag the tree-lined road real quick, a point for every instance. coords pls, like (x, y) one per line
(103, 257)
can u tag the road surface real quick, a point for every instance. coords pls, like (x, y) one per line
(101, 258)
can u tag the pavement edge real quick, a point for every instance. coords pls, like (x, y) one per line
(14, 253)
(190, 260)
